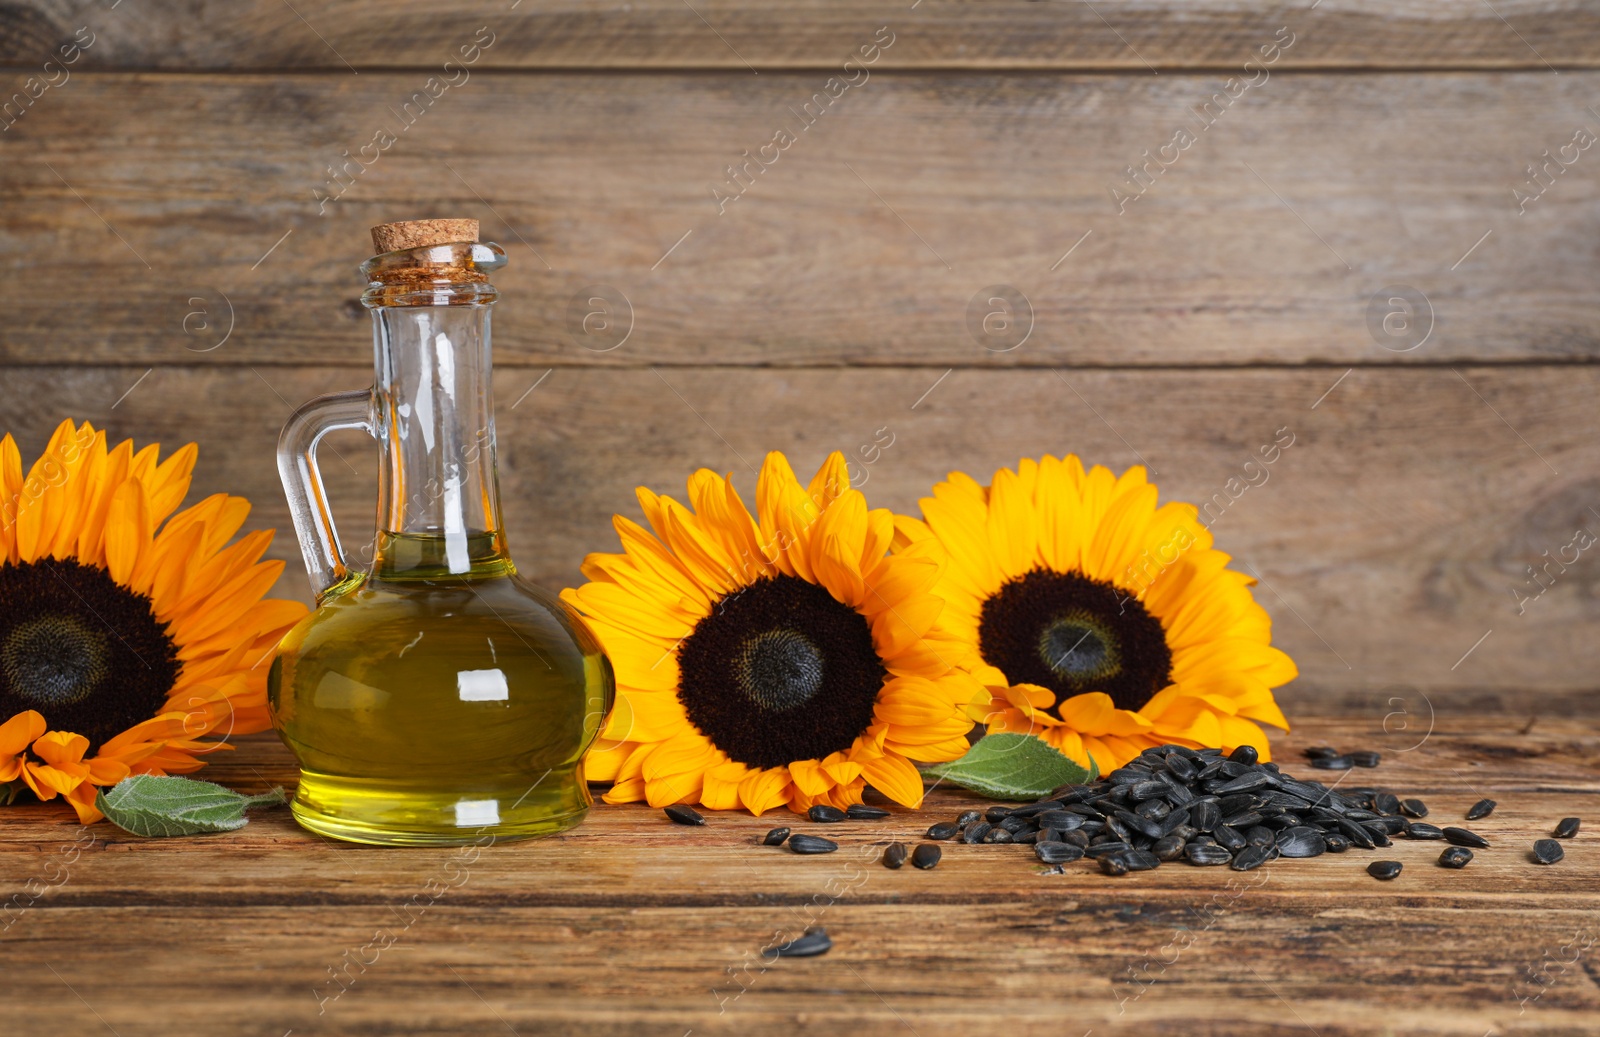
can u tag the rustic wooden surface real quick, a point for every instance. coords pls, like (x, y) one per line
(738, 35)
(633, 925)
(864, 243)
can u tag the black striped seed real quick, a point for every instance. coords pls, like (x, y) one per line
(1384, 870)
(1482, 808)
(1057, 853)
(1463, 837)
(823, 814)
(1548, 851)
(894, 855)
(944, 830)
(863, 812)
(808, 844)
(1457, 857)
(684, 815)
(925, 856)
(1567, 828)
(775, 837)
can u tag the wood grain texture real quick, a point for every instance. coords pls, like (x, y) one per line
(1390, 536)
(171, 220)
(630, 924)
(744, 35)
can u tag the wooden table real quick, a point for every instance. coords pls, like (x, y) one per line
(633, 925)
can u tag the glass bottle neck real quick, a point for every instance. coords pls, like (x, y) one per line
(439, 498)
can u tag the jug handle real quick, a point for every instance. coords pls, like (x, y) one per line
(302, 479)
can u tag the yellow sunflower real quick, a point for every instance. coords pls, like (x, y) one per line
(1098, 621)
(770, 661)
(126, 646)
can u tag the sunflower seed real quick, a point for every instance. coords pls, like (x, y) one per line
(1205, 815)
(1321, 752)
(1140, 860)
(974, 833)
(823, 814)
(1114, 865)
(1143, 825)
(1260, 835)
(1168, 848)
(1455, 857)
(1181, 767)
(1057, 853)
(1365, 758)
(1080, 838)
(1337, 842)
(1154, 809)
(1118, 829)
(1413, 808)
(1386, 803)
(775, 837)
(1016, 825)
(1245, 754)
(1248, 819)
(1243, 783)
(1357, 835)
(1301, 842)
(967, 817)
(894, 855)
(1251, 857)
(1547, 851)
(1148, 790)
(1567, 828)
(994, 815)
(1418, 830)
(1047, 835)
(1384, 870)
(800, 842)
(1111, 849)
(944, 830)
(1332, 763)
(925, 856)
(999, 835)
(813, 943)
(863, 812)
(685, 815)
(1463, 837)
(1230, 839)
(1060, 820)
(1207, 854)
(1481, 809)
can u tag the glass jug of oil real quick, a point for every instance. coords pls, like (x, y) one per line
(437, 697)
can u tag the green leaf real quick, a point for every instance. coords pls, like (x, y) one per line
(158, 805)
(1011, 766)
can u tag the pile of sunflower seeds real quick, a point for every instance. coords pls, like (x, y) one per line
(1172, 803)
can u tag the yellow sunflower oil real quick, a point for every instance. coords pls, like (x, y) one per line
(437, 697)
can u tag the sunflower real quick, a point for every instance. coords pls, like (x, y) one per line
(1098, 621)
(769, 661)
(126, 646)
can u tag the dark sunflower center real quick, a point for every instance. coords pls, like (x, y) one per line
(84, 651)
(1073, 634)
(780, 671)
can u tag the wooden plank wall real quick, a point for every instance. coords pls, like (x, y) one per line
(179, 262)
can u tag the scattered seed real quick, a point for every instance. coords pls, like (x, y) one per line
(1482, 808)
(800, 842)
(974, 833)
(775, 837)
(823, 814)
(894, 855)
(1386, 803)
(1332, 763)
(1548, 851)
(863, 812)
(1463, 837)
(813, 943)
(1567, 828)
(1455, 857)
(1384, 870)
(1114, 864)
(1057, 853)
(685, 815)
(944, 830)
(967, 817)
(1413, 808)
(1418, 830)
(925, 856)
(1365, 758)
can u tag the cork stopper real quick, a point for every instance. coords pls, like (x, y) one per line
(392, 237)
